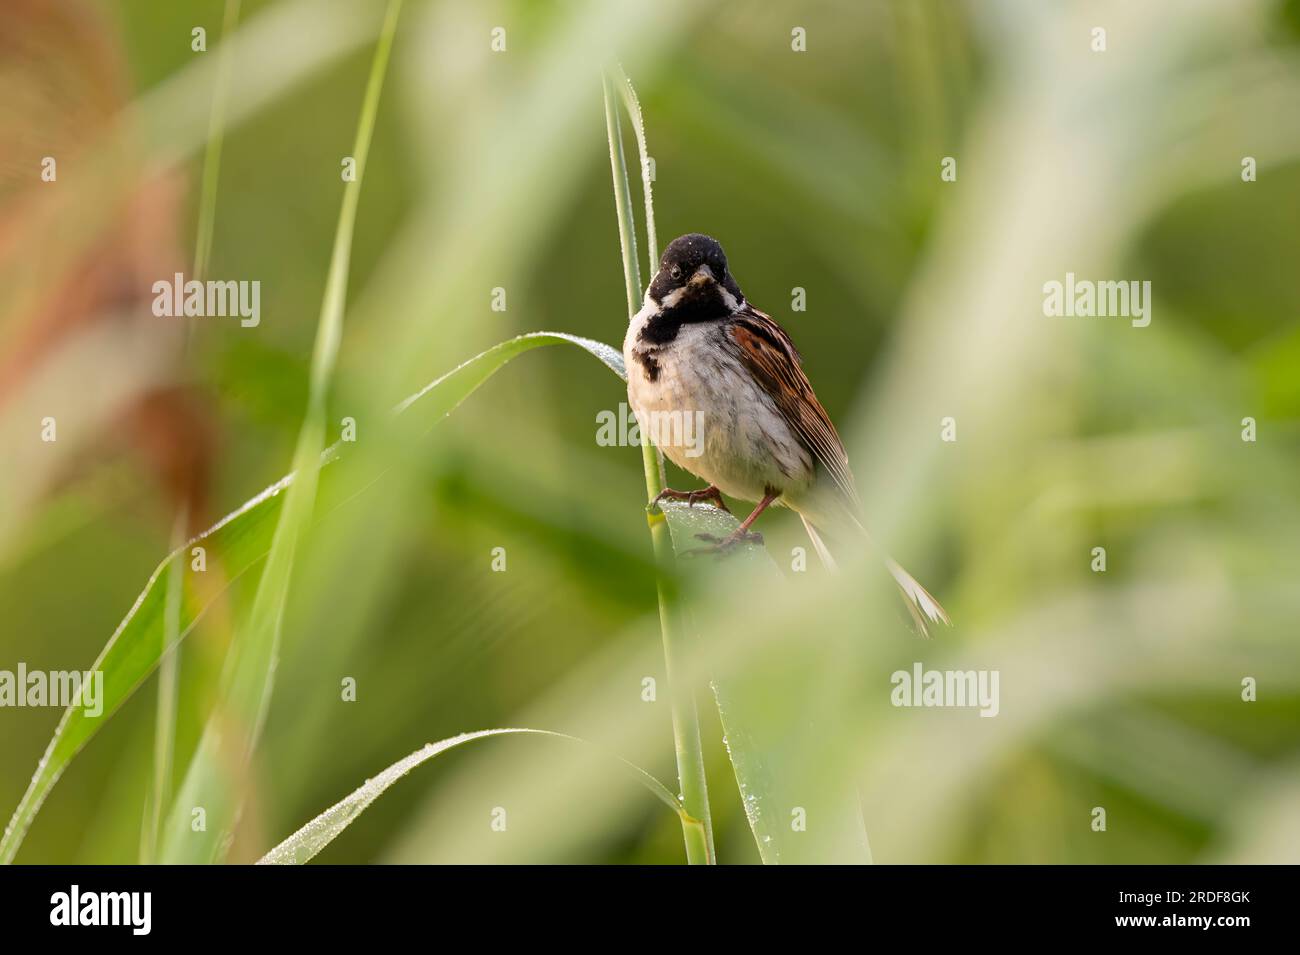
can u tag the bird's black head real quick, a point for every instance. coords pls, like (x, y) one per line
(693, 277)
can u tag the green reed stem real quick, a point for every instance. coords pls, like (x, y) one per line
(697, 830)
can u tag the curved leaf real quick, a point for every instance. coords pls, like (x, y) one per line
(240, 540)
(325, 828)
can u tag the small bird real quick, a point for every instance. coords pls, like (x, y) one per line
(698, 350)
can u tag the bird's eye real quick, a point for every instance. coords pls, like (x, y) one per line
(675, 271)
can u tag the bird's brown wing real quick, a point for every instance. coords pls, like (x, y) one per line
(767, 352)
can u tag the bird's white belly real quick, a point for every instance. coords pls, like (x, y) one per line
(709, 416)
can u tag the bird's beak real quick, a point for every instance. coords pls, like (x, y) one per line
(703, 276)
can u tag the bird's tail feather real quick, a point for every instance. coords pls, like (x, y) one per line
(923, 608)
(920, 604)
(819, 545)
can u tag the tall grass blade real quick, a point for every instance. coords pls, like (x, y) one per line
(206, 225)
(633, 107)
(622, 200)
(686, 722)
(165, 715)
(215, 780)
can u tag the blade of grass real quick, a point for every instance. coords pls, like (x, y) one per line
(622, 200)
(213, 782)
(165, 715)
(686, 722)
(633, 107)
(304, 844)
(242, 538)
(164, 729)
(212, 154)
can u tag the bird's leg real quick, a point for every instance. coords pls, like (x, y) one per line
(710, 493)
(742, 533)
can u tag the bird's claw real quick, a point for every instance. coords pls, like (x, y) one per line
(721, 545)
(709, 493)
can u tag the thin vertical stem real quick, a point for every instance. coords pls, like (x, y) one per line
(165, 715)
(698, 830)
(212, 155)
(164, 738)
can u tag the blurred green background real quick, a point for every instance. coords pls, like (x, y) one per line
(818, 170)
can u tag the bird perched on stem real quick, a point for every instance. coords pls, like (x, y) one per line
(698, 349)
